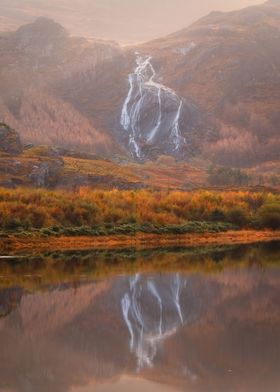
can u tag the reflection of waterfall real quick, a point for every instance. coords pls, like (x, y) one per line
(152, 313)
(176, 288)
(150, 108)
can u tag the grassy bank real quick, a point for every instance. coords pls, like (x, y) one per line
(128, 229)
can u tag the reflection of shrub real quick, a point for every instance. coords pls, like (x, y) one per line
(269, 215)
(238, 216)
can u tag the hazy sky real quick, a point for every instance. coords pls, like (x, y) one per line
(121, 20)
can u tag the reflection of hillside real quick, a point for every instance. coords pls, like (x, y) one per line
(10, 298)
(35, 271)
(233, 346)
(62, 339)
(60, 307)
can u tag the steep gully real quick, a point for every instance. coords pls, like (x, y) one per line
(150, 109)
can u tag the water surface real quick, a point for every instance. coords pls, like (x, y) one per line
(158, 320)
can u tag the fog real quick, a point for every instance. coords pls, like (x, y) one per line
(125, 21)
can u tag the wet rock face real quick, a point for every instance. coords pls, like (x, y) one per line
(9, 140)
(153, 115)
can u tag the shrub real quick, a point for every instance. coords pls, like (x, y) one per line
(124, 212)
(218, 215)
(221, 176)
(238, 216)
(269, 215)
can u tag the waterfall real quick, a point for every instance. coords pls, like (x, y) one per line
(142, 88)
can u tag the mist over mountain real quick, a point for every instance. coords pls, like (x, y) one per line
(126, 21)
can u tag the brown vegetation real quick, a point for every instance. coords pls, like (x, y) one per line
(232, 74)
(100, 212)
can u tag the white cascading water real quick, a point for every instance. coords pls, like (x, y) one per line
(142, 87)
(147, 328)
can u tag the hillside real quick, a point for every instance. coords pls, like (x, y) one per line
(229, 64)
(210, 91)
(58, 168)
(32, 60)
(52, 167)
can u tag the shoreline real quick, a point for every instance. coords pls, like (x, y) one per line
(140, 240)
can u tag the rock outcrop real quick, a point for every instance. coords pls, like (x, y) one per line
(9, 140)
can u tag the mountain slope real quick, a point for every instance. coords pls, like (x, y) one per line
(229, 64)
(35, 58)
(211, 90)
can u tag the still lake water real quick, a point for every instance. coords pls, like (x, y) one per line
(153, 320)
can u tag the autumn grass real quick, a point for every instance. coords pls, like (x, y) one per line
(29, 208)
(28, 215)
(99, 168)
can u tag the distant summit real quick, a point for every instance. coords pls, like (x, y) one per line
(41, 36)
(44, 27)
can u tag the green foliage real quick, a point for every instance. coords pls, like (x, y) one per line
(238, 216)
(226, 176)
(218, 215)
(132, 229)
(269, 215)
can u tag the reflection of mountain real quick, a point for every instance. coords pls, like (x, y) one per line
(10, 299)
(215, 333)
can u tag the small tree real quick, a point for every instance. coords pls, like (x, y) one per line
(269, 215)
(238, 216)
(218, 215)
